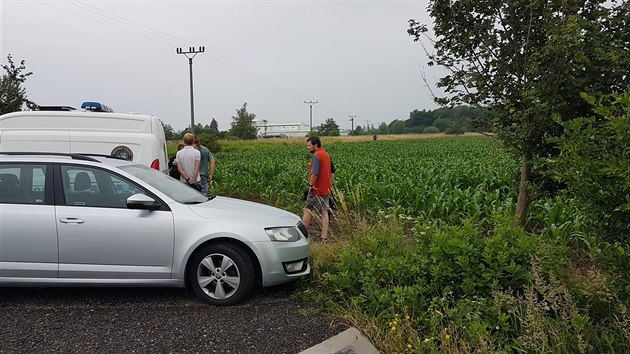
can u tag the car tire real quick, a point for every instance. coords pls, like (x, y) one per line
(221, 274)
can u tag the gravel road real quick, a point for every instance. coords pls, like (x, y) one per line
(156, 320)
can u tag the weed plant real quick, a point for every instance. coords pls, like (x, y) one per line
(462, 289)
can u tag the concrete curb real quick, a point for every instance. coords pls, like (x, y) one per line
(350, 341)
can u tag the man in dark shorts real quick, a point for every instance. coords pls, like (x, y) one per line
(319, 185)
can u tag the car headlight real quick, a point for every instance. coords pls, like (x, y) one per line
(283, 234)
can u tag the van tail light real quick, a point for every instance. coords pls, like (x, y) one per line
(155, 164)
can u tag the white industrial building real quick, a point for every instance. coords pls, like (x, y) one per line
(280, 130)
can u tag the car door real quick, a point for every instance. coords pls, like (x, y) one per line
(28, 231)
(100, 238)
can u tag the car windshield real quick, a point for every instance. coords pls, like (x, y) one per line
(173, 188)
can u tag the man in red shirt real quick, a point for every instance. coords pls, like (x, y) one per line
(319, 185)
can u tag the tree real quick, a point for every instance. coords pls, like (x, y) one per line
(442, 124)
(528, 60)
(243, 124)
(383, 128)
(12, 95)
(417, 118)
(461, 118)
(169, 133)
(328, 128)
(358, 131)
(595, 163)
(214, 126)
(397, 126)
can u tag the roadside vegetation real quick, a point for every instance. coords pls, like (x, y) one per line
(427, 254)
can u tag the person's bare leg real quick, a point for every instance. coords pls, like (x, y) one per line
(306, 217)
(325, 221)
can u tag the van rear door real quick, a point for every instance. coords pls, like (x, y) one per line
(157, 129)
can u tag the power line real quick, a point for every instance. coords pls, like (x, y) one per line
(131, 21)
(102, 23)
(113, 17)
(219, 61)
(250, 75)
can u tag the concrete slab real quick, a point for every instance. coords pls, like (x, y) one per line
(350, 341)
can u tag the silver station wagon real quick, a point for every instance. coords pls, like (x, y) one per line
(79, 220)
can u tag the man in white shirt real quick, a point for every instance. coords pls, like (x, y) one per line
(188, 160)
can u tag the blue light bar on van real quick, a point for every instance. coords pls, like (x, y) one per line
(96, 107)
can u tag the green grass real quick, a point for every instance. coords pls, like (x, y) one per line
(426, 256)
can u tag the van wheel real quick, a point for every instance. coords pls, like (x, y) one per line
(221, 275)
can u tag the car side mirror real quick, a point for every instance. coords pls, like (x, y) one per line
(142, 201)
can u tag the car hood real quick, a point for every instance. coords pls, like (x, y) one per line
(223, 208)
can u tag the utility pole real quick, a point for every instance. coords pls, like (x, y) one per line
(352, 121)
(194, 52)
(311, 103)
(264, 122)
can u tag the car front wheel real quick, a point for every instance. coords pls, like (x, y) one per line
(221, 275)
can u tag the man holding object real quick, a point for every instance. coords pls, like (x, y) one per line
(319, 185)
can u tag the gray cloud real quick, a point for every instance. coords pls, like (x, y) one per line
(354, 57)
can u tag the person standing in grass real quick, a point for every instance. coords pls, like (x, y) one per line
(319, 185)
(187, 160)
(172, 166)
(206, 160)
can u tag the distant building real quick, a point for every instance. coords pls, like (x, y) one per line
(280, 130)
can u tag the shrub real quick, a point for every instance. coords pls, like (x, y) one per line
(435, 290)
(594, 163)
(442, 124)
(431, 130)
(386, 268)
(457, 130)
(210, 141)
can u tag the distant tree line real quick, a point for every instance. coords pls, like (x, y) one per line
(242, 127)
(455, 120)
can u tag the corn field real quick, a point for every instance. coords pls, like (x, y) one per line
(447, 179)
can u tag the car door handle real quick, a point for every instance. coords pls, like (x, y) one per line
(71, 221)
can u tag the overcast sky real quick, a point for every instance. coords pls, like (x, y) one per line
(353, 57)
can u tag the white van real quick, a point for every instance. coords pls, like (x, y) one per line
(136, 137)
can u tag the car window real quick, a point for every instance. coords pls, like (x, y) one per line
(22, 184)
(175, 189)
(91, 187)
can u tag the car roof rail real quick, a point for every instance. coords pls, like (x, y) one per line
(104, 155)
(72, 155)
(56, 108)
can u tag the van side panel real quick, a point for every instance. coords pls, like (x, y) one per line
(35, 140)
(86, 132)
(105, 142)
(89, 122)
